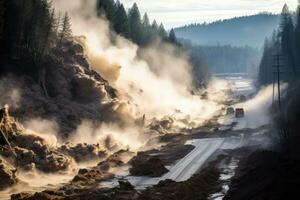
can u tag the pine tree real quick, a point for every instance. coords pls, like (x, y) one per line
(48, 39)
(65, 31)
(287, 40)
(297, 38)
(172, 36)
(107, 8)
(265, 75)
(162, 32)
(56, 25)
(146, 21)
(3, 5)
(121, 24)
(135, 24)
(45, 28)
(154, 26)
(146, 33)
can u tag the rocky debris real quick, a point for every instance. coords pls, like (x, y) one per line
(83, 152)
(7, 175)
(161, 126)
(102, 171)
(30, 151)
(90, 176)
(168, 154)
(86, 182)
(199, 187)
(25, 158)
(68, 91)
(150, 166)
(116, 160)
(36, 196)
(152, 162)
(125, 185)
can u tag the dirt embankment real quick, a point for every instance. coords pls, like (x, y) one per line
(266, 175)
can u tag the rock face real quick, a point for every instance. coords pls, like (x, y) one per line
(67, 90)
(7, 175)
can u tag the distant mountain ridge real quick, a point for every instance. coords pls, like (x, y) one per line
(239, 31)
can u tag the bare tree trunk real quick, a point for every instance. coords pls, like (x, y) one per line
(42, 81)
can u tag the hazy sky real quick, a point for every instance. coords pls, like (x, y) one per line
(179, 12)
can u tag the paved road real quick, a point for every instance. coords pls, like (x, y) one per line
(204, 148)
(191, 163)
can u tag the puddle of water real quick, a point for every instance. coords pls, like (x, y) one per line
(227, 172)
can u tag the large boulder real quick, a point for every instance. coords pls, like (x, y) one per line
(7, 175)
(83, 152)
(150, 166)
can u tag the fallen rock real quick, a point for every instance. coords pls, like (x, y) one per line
(125, 185)
(7, 175)
(151, 166)
(116, 160)
(25, 158)
(30, 151)
(83, 152)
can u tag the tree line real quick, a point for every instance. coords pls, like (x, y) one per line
(285, 43)
(239, 31)
(131, 25)
(227, 58)
(28, 31)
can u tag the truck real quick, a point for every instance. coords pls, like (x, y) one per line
(239, 113)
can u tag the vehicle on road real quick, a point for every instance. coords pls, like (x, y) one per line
(239, 113)
(230, 111)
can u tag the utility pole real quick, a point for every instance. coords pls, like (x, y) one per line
(278, 80)
(276, 76)
(277, 71)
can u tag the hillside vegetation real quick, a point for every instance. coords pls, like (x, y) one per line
(239, 31)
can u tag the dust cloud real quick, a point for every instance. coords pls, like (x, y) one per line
(110, 136)
(156, 80)
(10, 93)
(46, 129)
(258, 109)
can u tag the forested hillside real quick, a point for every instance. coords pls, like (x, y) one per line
(131, 24)
(277, 171)
(228, 59)
(239, 31)
(284, 45)
(28, 31)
